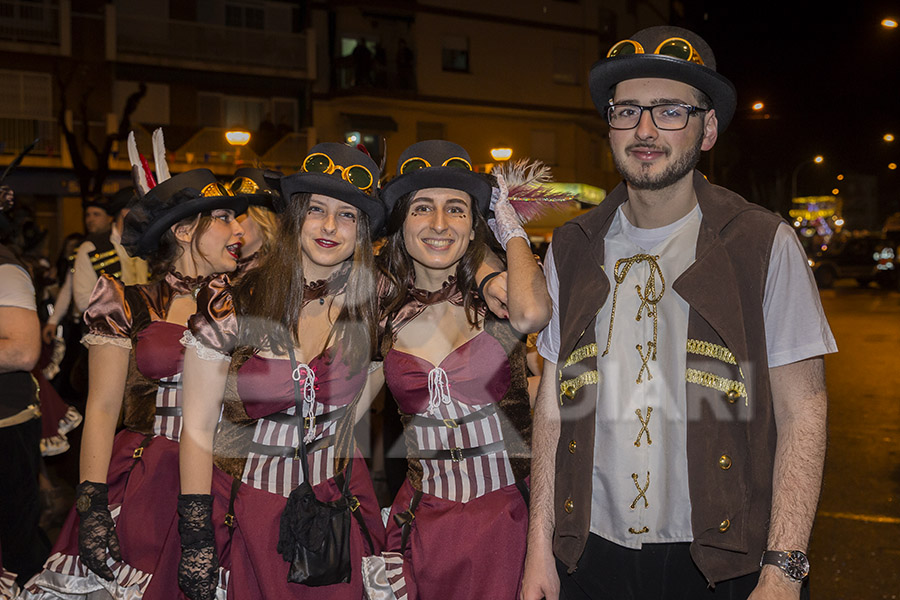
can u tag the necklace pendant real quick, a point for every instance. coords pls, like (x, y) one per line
(321, 301)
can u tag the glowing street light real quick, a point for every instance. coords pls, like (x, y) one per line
(237, 137)
(892, 166)
(888, 137)
(500, 154)
(818, 160)
(889, 23)
(758, 106)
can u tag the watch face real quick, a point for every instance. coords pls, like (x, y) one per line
(796, 565)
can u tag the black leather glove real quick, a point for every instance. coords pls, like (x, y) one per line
(96, 531)
(198, 571)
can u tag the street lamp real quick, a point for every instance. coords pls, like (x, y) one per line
(888, 137)
(889, 23)
(501, 154)
(818, 160)
(237, 137)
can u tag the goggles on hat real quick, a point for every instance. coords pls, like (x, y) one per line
(215, 189)
(356, 175)
(415, 163)
(675, 47)
(244, 185)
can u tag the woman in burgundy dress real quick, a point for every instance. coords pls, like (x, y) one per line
(458, 375)
(306, 316)
(121, 535)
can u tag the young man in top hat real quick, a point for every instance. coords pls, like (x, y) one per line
(680, 426)
(101, 252)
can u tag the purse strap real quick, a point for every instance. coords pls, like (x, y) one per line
(301, 429)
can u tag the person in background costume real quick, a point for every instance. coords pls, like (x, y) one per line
(260, 222)
(458, 524)
(121, 536)
(314, 297)
(680, 424)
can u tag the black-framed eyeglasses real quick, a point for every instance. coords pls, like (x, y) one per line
(669, 117)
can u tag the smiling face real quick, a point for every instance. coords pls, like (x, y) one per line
(217, 248)
(649, 158)
(328, 236)
(437, 231)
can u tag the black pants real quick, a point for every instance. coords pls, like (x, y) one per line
(25, 545)
(607, 571)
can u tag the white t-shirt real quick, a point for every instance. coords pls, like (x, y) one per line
(16, 289)
(640, 489)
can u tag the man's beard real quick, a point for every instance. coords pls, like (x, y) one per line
(642, 180)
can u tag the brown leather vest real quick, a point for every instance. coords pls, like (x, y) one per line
(731, 428)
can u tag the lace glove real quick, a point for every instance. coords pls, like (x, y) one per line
(96, 530)
(506, 223)
(198, 570)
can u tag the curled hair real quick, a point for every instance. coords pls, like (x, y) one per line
(272, 294)
(145, 212)
(396, 264)
(267, 221)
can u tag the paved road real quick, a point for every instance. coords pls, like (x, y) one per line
(855, 550)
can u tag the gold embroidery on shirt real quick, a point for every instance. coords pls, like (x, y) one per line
(711, 350)
(579, 354)
(642, 492)
(649, 299)
(717, 382)
(570, 386)
(645, 426)
(638, 531)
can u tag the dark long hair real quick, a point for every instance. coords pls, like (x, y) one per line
(270, 297)
(396, 264)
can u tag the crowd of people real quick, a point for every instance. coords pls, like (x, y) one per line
(225, 342)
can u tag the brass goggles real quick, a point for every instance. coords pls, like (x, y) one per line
(215, 189)
(415, 163)
(244, 185)
(675, 47)
(356, 175)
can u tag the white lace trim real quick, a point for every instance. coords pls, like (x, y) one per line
(438, 389)
(204, 352)
(95, 339)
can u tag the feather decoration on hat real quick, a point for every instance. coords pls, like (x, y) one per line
(529, 194)
(159, 156)
(138, 173)
(147, 172)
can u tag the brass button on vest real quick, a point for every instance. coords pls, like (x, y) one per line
(569, 506)
(724, 462)
(724, 526)
(569, 391)
(572, 446)
(732, 395)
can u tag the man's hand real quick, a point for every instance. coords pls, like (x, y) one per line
(48, 332)
(773, 585)
(540, 579)
(495, 295)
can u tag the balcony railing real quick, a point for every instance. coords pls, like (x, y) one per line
(16, 134)
(211, 44)
(30, 22)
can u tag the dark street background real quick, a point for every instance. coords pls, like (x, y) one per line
(855, 549)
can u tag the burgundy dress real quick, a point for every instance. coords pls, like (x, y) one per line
(143, 471)
(467, 537)
(265, 387)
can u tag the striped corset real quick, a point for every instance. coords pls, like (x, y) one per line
(461, 447)
(167, 421)
(280, 474)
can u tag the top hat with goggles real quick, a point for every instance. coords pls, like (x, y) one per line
(668, 53)
(342, 172)
(437, 164)
(259, 186)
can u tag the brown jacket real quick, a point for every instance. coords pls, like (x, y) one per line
(731, 428)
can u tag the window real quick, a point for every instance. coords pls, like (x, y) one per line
(26, 95)
(219, 110)
(245, 16)
(566, 65)
(455, 54)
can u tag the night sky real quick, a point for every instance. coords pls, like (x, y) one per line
(829, 76)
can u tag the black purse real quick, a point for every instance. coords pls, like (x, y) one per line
(314, 536)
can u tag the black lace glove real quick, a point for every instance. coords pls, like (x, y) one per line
(96, 531)
(198, 571)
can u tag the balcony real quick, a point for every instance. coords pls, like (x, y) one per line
(40, 26)
(16, 134)
(192, 45)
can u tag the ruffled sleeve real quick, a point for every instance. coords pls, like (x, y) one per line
(212, 330)
(109, 317)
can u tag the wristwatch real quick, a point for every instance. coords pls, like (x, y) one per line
(793, 564)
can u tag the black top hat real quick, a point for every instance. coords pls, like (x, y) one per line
(253, 184)
(608, 72)
(121, 200)
(436, 172)
(179, 197)
(327, 171)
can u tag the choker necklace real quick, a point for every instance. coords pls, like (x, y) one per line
(322, 288)
(183, 285)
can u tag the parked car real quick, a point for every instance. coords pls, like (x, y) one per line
(865, 259)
